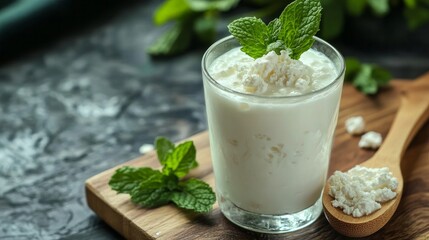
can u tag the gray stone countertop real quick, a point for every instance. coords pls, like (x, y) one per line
(87, 104)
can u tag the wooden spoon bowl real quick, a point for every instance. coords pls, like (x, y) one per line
(412, 114)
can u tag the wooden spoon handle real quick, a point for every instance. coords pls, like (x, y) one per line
(412, 114)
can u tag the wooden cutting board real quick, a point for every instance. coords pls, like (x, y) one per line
(411, 221)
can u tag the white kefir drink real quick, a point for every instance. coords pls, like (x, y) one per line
(271, 123)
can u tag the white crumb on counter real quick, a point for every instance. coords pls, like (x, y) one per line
(360, 190)
(370, 140)
(355, 125)
(145, 148)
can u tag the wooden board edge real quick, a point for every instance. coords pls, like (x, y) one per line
(113, 218)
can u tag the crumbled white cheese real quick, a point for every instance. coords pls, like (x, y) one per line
(272, 74)
(355, 125)
(145, 148)
(360, 191)
(277, 70)
(370, 140)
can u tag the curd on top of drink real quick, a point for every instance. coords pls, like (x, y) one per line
(272, 74)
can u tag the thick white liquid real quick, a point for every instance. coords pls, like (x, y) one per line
(270, 155)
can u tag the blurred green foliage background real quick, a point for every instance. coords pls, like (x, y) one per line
(197, 20)
(195, 23)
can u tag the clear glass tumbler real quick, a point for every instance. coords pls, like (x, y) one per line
(270, 154)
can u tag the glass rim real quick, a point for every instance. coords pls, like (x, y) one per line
(249, 95)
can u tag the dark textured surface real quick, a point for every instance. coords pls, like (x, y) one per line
(87, 103)
(78, 108)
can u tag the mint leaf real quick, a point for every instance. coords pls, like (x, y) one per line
(364, 82)
(416, 17)
(352, 68)
(204, 5)
(380, 7)
(276, 46)
(381, 76)
(410, 3)
(181, 160)
(175, 40)
(356, 8)
(163, 148)
(293, 30)
(252, 34)
(300, 22)
(170, 10)
(196, 195)
(153, 192)
(274, 28)
(126, 179)
(205, 28)
(367, 78)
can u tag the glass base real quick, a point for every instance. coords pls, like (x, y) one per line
(266, 223)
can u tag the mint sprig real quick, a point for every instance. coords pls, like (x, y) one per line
(292, 31)
(153, 188)
(180, 160)
(195, 195)
(367, 78)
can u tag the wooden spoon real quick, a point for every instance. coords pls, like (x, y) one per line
(412, 114)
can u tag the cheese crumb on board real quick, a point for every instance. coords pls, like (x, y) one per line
(355, 125)
(360, 190)
(145, 148)
(370, 140)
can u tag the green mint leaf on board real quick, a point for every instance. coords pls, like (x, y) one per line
(126, 179)
(293, 30)
(164, 147)
(367, 78)
(196, 195)
(181, 160)
(153, 188)
(153, 192)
